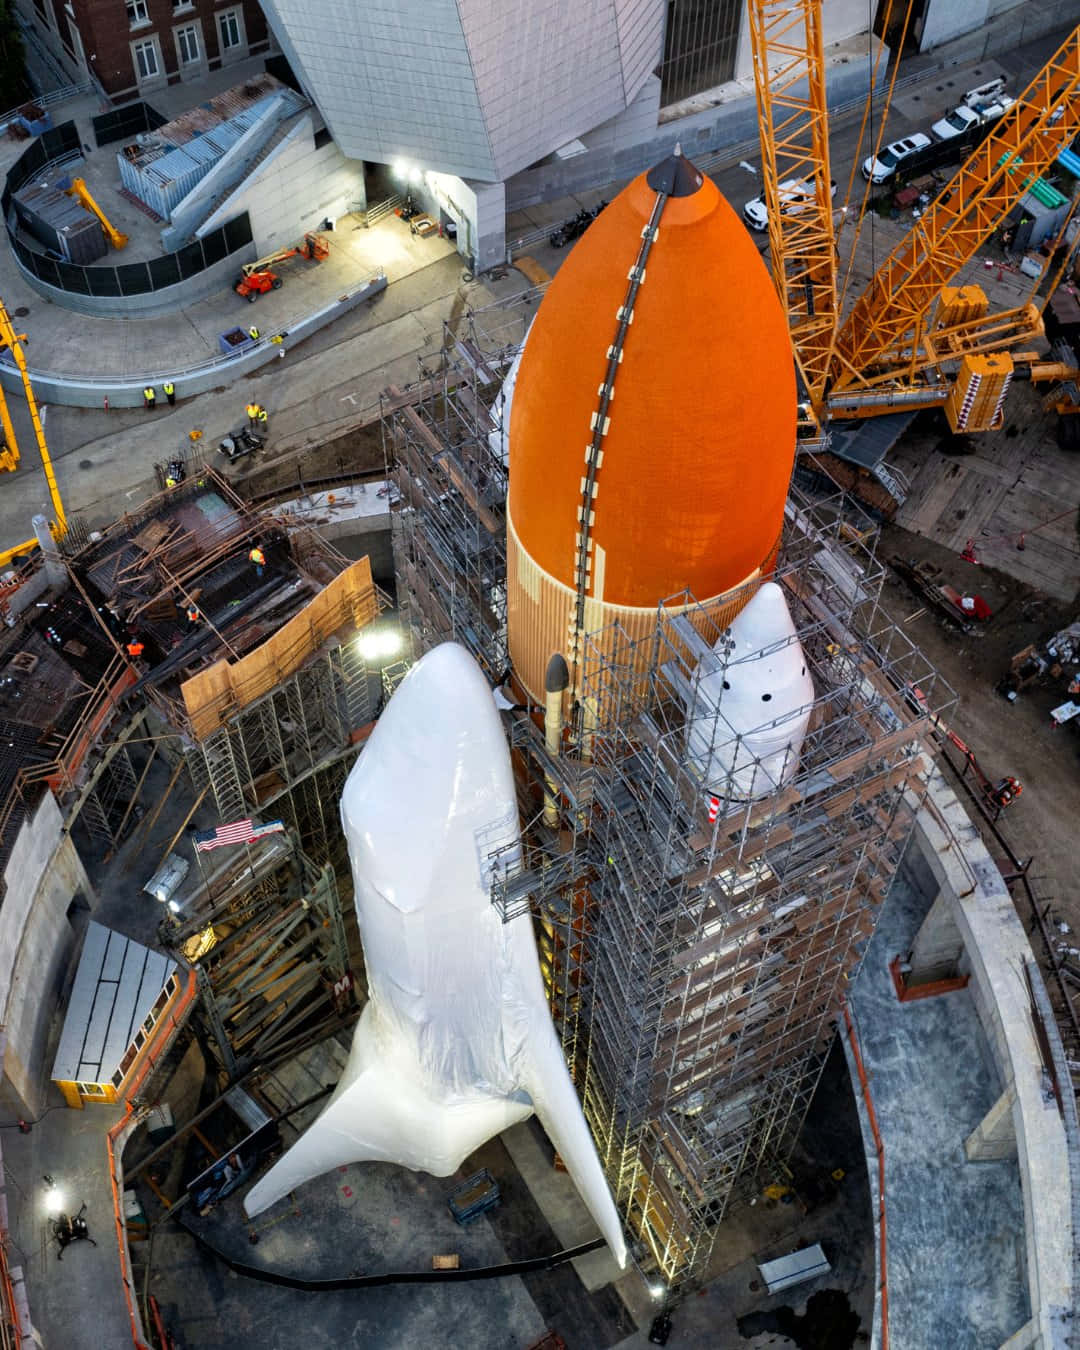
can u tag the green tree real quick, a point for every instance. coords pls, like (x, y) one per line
(12, 59)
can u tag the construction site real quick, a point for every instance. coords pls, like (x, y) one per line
(813, 1001)
(694, 955)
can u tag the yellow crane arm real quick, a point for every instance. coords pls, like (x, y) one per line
(887, 324)
(79, 189)
(10, 339)
(789, 75)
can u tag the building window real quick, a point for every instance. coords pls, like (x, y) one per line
(187, 44)
(137, 13)
(700, 44)
(178, 5)
(146, 59)
(230, 29)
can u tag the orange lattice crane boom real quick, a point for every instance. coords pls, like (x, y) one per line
(882, 340)
(789, 75)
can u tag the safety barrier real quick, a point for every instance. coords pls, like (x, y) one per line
(119, 391)
(124, 124)
(879, 1147)
(164, 1033)
(115, 1140)
(170, 278)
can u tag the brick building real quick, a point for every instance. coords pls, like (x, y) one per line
(133, 47)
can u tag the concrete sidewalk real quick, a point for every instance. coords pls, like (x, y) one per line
(104, 461)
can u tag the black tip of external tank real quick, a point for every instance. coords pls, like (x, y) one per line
(675, 176)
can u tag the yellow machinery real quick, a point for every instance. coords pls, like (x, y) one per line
(9, 455)
(79, 189)
(892, 347)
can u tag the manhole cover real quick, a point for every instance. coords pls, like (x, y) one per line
(86, 463)
(21, 312)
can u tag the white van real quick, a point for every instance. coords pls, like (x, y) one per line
(983, 93)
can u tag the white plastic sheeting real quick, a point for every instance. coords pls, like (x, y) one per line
(751, 702)
(455, 1042)
(499, 436)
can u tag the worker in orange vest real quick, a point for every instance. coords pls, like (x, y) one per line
(258, 557)
(192, 616)
(135, 648)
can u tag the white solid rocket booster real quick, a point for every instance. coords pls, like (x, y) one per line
(455, 1043)
(751, 702)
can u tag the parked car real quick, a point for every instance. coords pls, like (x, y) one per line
(795, 195)
(966, 116)
(881, 168)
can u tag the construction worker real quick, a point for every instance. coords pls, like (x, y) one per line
(149, 397)
(252, 414)
(135, 648)
(192, 616)
(170, 392)
(258, 557)
(262, 417)
(170, 481)
(253, 333)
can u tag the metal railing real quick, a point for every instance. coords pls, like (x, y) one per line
(50, 100)
(221, 361)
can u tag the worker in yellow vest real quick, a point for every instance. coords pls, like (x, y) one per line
(170, 392)
(253, 333)
(253, 414)
(258, 557)
(262, 418)
(149, 397)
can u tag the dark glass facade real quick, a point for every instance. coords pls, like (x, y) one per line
(700, 45)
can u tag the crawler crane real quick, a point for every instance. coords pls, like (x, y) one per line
(10, 342)
(909, 340)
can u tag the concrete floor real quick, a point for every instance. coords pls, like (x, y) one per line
(956, 1267)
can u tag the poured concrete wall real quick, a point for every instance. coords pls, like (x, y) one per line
(43, 875)
(126, 392)
(981, 28)
(995, 954)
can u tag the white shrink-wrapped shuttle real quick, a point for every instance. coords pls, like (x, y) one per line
(455, 1043)
(751, 702)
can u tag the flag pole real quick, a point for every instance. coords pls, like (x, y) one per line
(199, 860)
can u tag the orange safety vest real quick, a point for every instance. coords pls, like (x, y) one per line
(193, 616)
(252, 410)
(135, 649)
(257, 556)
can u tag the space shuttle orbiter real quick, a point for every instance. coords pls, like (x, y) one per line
(456, 1042)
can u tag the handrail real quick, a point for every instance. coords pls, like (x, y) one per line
(127, 1122)
(49, 100)
(879, 1146)
(8, 1294)
(174, 373)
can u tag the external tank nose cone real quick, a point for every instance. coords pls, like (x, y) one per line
(675, 176)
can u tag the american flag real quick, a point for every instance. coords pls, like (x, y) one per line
(239, 832)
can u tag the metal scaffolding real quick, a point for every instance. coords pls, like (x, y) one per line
(289, 752)
(265, 931)
(444, 444)
(696, 942)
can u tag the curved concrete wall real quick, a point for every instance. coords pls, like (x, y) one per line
(995, 953)
(76, 391)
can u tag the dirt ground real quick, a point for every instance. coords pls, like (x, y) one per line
(1007, 738)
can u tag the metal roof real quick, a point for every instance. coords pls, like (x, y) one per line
(116, 985)
(867, 443)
